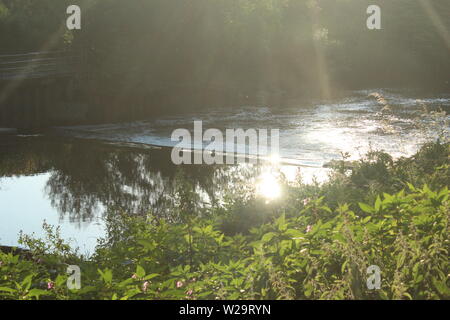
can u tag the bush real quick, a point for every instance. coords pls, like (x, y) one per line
(319, 247)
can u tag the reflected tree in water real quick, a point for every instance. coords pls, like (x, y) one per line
(90, 178)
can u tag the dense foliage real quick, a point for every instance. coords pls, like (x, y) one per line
(316, 242)
(162, 54)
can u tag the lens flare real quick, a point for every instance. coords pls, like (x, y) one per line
(268, 186)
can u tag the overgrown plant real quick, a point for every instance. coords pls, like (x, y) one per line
(319, 246)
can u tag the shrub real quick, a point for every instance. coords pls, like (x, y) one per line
(318, 248)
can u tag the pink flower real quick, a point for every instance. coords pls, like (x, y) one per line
(50, 285)
(134, 276)
(145, 286)
(306, 201)
(179, 284)
(308, 228)
(189, 292)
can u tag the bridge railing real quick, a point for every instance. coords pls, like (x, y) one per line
(38, 65)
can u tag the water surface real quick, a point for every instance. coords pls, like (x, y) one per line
(78, 176)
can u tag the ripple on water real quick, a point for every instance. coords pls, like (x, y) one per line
(321, 131)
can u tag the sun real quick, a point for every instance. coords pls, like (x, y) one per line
(268, 186)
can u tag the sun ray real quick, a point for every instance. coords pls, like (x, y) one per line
(48, 46)
(436, 20)
(317, 36)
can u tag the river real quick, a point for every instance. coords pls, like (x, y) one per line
(75, 176)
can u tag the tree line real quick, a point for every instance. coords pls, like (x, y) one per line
(174, 53)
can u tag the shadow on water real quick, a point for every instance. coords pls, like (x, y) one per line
(88, 178)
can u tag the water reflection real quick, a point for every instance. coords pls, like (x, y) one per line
(86, 179)
(311, 133)
(268, 186)
(75, 183)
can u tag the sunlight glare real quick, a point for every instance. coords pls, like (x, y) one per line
(268, 186)
(274, 158)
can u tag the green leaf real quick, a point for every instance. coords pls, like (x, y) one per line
(6, 289)
(204, 294)
(147, 244)
(383, 295)
(26, 283)
(87, 289)
(366, 208)
(401, 260)
(151, 276)
(106, 275)
(406, 294)
(308, 291)
(268, 236)
(343, 266)
(366, 219)
(378, 204)
(441, 287)
(140, 272)
(284, 246)
(281, 223)
(294, 233)
(37, 293)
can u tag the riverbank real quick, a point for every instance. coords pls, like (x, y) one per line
(314, 242)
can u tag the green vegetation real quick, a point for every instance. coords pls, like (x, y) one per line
(316, 242)
(162, 55)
